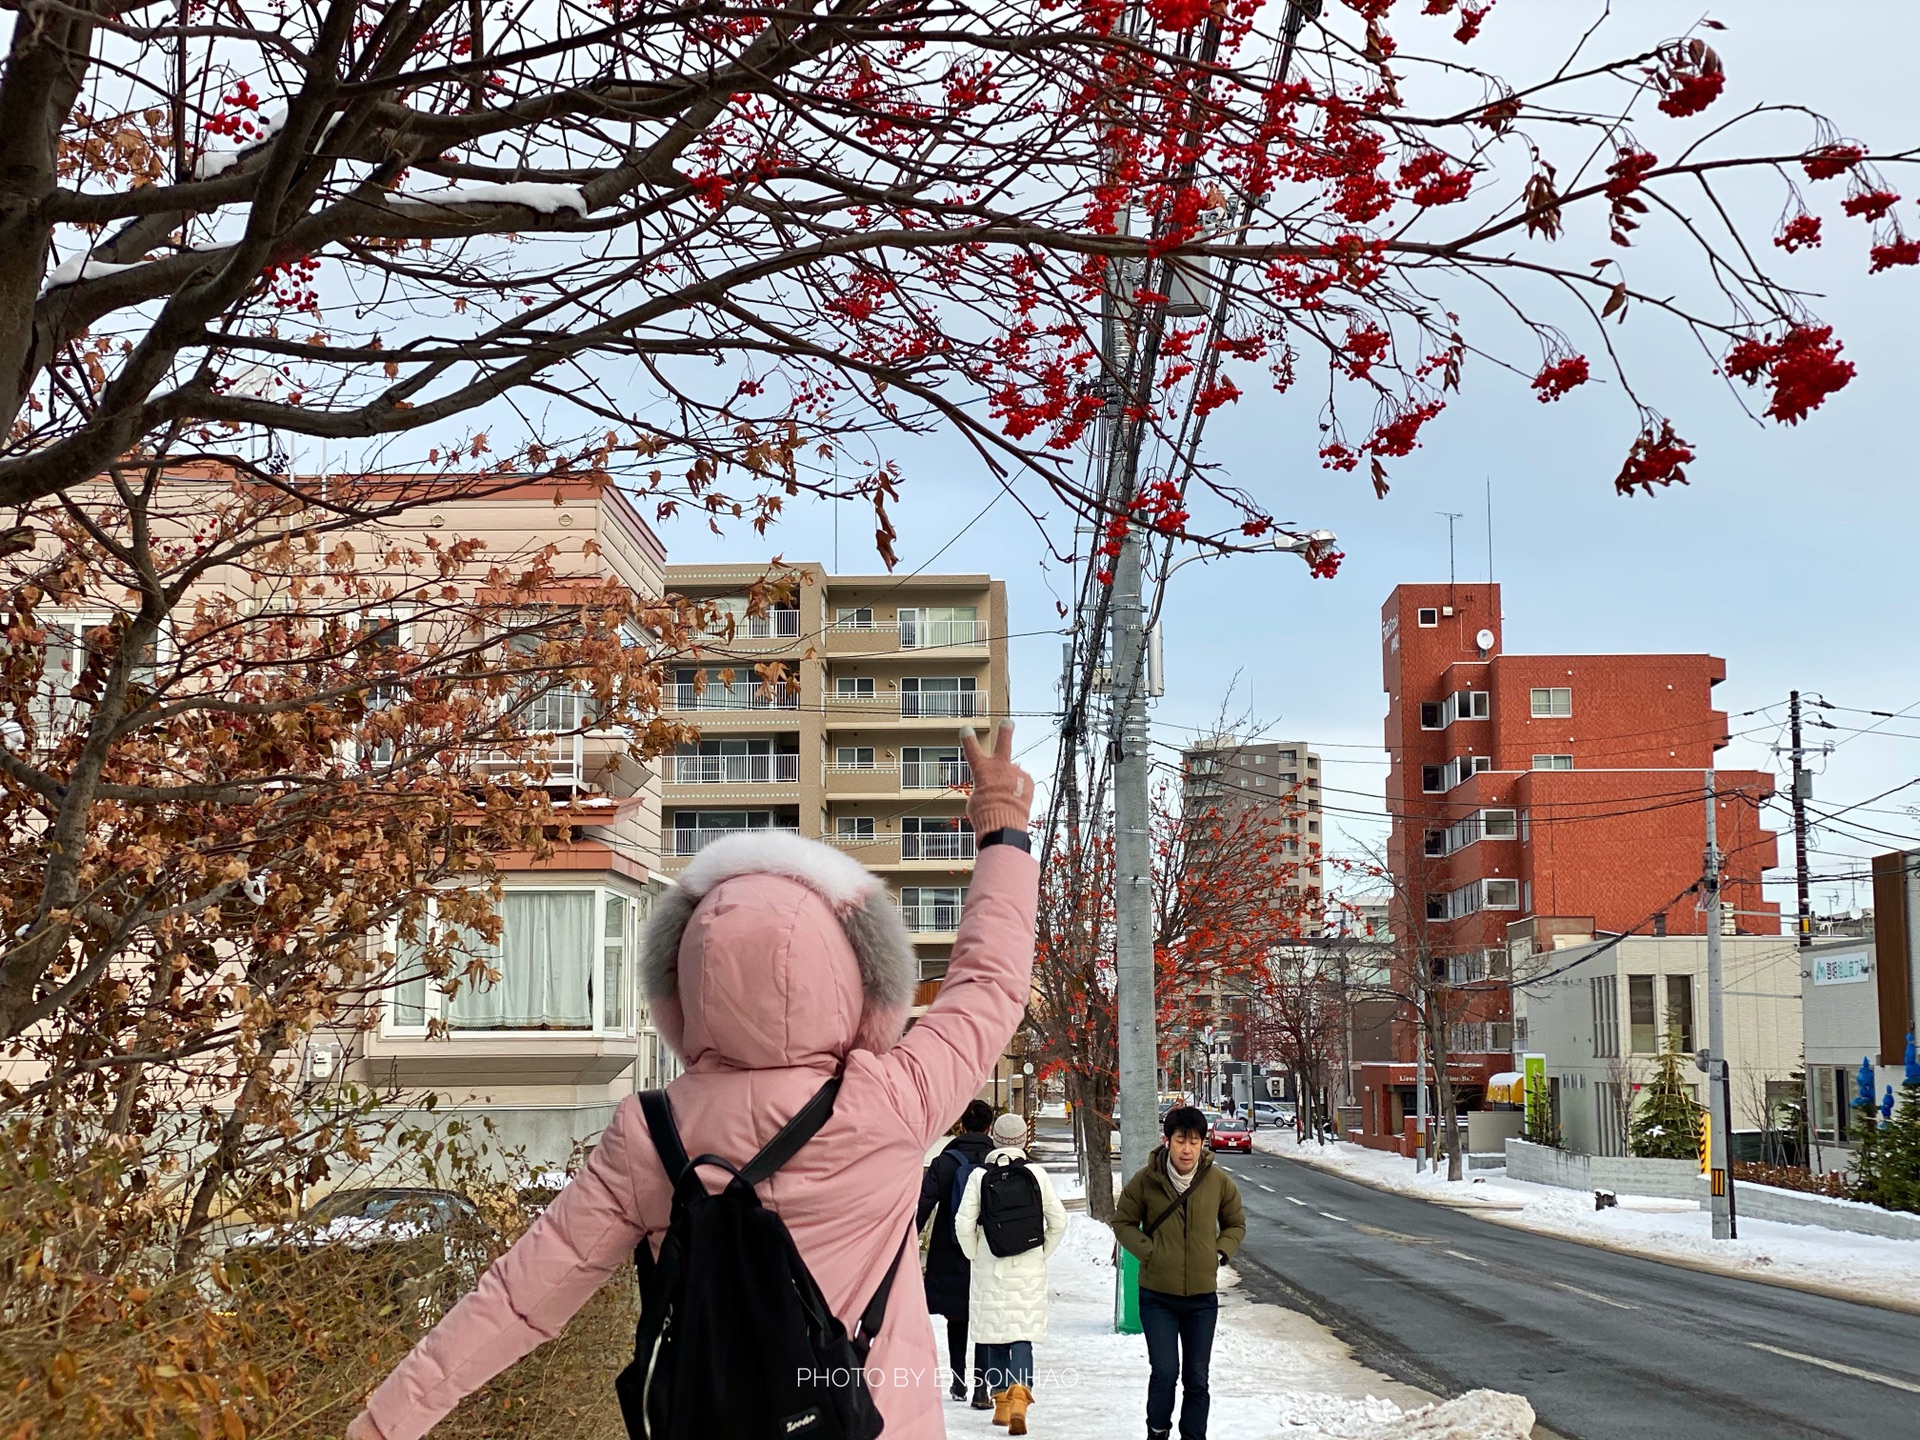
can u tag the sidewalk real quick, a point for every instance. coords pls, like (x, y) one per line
(1275, 1373)
(1867, 1268)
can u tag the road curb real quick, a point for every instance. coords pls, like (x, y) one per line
(1503, 1216)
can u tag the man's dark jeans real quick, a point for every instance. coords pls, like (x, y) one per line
(1179, 1331)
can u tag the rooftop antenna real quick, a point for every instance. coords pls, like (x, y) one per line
(1489, 530)
(1452, 515)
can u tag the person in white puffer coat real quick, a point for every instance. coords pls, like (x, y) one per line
(1007, 1298)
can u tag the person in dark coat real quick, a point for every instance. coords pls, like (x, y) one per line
(948, 1275)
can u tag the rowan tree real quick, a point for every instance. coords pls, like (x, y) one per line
(710, 249)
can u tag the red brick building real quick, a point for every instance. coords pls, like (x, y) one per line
(1549, 794)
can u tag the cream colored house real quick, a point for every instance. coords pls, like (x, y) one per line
(1600, 1011)
(548, 1051)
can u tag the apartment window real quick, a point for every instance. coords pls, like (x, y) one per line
(613, 963)
(1553, 702)
(1426, 617)
(1436, 907)
(853, 686)
(1680, 1011)
(1502, 894)
(1288, 757)
(1259, 782)
(1643, 1023)
(1499, 825)
(1313, 827)
(1432, 778)
(1553, 762)
(1430, 715)
(1605, 995)
(562, 961)
(1260, 760)
(853, 757)
(937, 695)
(854, 617)
(1436, 842)
(1464, 705)
(853, 827)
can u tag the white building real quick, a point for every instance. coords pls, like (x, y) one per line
(1600, 1013)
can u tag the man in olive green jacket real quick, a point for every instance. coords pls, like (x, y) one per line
(1180, 1216)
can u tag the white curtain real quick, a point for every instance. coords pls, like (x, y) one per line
(545, 960)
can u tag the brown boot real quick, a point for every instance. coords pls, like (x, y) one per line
(1001, 1401)
(1018, 1398)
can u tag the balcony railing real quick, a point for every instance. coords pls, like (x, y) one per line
(935, 774)
(937, 634)
(937, 845)
(772, 625)
(941, 704)
(735, 769)
(930, 916)
(692, 842)
(554, 752)
(740, 695)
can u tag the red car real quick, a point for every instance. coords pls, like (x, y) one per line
(1231, 1135)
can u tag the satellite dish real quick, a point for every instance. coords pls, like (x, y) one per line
(1484, 639)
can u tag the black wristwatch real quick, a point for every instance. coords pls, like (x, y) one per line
(1019, 839)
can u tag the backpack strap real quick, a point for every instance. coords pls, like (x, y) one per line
(666, 1135)
(775, 1153)
(792, 1135)
(1167, 1213)
(876, 1310)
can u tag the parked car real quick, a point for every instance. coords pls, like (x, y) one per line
(1229, 1133)
(431, 1244)
(1268, 1112)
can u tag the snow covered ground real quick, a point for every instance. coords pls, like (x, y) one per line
(1862, 1267)
(1275, 1373)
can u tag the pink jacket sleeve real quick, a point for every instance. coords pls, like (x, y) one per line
(945, 1058)
(527, 1295)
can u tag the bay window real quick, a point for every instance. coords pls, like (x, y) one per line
(563, 961)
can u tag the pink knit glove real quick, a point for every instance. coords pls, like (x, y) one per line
(1002, 795)
(363, 1428)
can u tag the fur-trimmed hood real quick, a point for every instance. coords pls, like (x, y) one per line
(776, 951)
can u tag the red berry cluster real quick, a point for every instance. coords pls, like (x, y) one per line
(233, 122)
(1658, 457)
(1803, 366)
(1558, 377)
(1802, 229)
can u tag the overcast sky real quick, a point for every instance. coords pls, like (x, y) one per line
(1792, 554)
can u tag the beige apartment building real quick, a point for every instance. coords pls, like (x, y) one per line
(548, 1052)
(858, 744)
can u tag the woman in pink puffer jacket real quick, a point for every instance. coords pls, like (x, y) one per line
(776, 962)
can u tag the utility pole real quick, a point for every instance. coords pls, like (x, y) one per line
(1802, 792)
(1420, 1082)
(1719, 1091)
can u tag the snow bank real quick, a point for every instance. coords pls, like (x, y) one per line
(1275, 1373)
(543, 199)
(1871, 1268)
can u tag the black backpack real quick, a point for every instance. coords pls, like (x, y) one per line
(1010, 1209)
(735, 1341)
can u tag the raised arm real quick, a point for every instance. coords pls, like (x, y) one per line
(526, 1296)
(946, 1057)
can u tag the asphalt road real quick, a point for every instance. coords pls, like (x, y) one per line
(1605, 1346)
